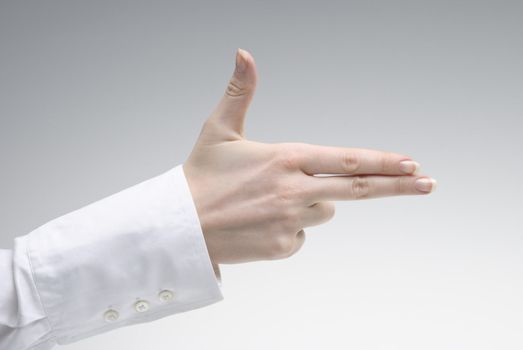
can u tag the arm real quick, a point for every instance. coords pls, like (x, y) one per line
(149, 251)
(133, 257)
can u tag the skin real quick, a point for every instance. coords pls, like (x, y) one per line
(255, 199)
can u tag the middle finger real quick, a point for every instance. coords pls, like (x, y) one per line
(365, 187)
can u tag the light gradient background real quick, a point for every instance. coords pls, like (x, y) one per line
(96, 96)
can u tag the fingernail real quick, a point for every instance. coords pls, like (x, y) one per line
(425, 184)
(409, 166)
(240, 61)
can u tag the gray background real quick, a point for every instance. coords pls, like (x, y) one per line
(96, 96)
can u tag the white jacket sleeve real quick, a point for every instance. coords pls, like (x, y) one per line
(132, 257)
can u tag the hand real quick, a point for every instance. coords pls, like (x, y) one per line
(254, 199)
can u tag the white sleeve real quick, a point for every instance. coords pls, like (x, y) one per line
(132, 257)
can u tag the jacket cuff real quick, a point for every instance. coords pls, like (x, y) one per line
(132, 257)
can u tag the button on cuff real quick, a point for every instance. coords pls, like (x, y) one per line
(166, 296)
(141, 306)
(111, 316)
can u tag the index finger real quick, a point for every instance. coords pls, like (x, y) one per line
(317, 159)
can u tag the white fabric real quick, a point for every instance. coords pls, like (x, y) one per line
(60, 279)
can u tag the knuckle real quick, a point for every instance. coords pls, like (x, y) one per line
(324, 211)
(290, 161)
(401, 184)
(299, 241)
(235, 89)
(350, 162)
(301, 237)
(288, 158)
(287, 192)
(360, 187)
(386, 163)
(290, 220)
(329, 211)
(289, 154)
(282, 246)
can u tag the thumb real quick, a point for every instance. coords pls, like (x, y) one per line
(229, 114)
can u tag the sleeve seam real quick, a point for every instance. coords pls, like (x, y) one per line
(35, 280)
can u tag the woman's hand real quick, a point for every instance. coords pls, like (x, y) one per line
(254, 199)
